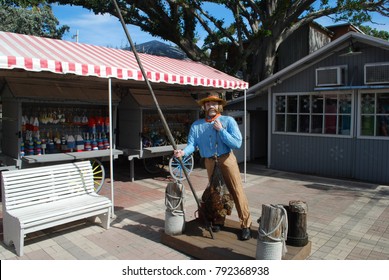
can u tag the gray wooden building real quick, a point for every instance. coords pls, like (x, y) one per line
(328, 113)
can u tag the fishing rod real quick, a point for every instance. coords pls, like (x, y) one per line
(165, 125)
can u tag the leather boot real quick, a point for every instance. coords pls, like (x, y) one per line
(246, 234)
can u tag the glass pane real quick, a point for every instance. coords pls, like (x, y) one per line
(317, 124)
(317, 103)
(367, 103)
(367, 125)
(291, 123)
(280, 104)
(304, 104)
(382, 103)
(304, 123)
(383, 125)
(280, 123)
(292, 104)
(345, 104)
(344, 124)
(331, 103)
(330, 124)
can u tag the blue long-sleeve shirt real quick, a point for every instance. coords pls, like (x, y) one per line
(209, 141)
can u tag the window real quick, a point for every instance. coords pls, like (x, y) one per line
(374, 119)
(316, 113)
(331, 76)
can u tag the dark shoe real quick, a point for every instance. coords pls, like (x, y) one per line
(217, 228)
(246, 234)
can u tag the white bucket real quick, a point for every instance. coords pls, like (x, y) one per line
(269, 250)
(174, 222)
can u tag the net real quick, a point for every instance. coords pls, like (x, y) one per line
(217, 202)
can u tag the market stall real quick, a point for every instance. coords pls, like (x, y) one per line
(48, 122)
(41, 77)
(141, 132)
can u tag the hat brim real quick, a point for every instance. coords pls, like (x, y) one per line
(212, 98)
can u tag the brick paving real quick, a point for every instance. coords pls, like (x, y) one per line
(347, 220)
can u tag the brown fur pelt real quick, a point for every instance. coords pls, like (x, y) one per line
(217, 202)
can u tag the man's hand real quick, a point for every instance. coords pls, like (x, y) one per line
(179, 153)
(217, 125)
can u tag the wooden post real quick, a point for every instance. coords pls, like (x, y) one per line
(271, 235)
(297, 223)
(270, 221)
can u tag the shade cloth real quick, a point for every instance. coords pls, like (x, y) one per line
(34, 53)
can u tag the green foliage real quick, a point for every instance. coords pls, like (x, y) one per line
(39, 20)
(374, 32)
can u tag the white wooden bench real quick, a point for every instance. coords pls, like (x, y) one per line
(38, 198)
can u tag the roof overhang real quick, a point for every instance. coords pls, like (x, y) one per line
(37, 54)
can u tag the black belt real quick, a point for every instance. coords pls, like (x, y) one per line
(219, 157)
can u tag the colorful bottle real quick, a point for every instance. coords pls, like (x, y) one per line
(64, 144)
(71, 143)
(79, 143)
(38, 146)
(88, 146)
(50, 146)
(105, 141)
(22, 148)
(94, 144)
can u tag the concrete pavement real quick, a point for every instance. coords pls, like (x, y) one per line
(347, 220)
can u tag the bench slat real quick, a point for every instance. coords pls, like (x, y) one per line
(22, 203)
(43, 181)
(48, 169)
(26, 180)
(78, 165)
(47, 191)
(59, 208)
(68, 172)
(47, 186)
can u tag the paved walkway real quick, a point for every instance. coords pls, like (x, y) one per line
(346, 220)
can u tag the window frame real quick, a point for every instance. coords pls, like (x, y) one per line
(311, 114)
(375, 114)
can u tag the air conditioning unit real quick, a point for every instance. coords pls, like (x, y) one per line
(331, 76)
(377, 73)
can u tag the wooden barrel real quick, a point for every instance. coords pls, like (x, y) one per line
(297, 223)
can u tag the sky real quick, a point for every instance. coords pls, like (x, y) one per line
(107, 31)
(101, 30)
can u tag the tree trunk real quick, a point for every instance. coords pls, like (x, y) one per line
(263, 61)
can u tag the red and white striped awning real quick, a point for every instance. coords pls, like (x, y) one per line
(33, 53)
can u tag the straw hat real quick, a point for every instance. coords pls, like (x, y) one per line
(212, 97)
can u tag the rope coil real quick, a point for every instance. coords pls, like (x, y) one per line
(174, 209)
